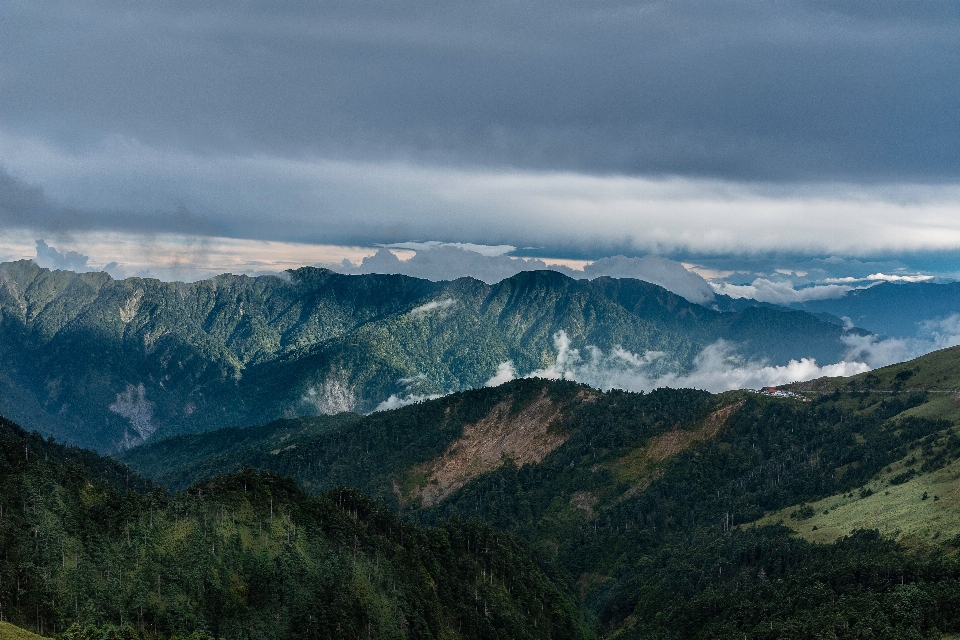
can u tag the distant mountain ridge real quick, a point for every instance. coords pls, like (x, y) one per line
(888, 309)
(112, 363)
(893, 309)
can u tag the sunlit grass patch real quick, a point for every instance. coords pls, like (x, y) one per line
(939, 406)
(11, 632)
(922, 511)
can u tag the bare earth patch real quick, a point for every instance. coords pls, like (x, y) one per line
(673, 442)
(639, 465)
(525, 438)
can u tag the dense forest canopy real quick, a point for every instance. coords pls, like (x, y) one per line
(249, 555)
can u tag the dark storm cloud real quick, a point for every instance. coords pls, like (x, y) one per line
(27, 206)
(787, 91)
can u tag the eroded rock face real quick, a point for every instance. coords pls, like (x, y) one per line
(133, 405)
(641, 466)
(525, 437)
(673, 442)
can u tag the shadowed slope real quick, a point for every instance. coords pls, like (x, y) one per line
(250, 555)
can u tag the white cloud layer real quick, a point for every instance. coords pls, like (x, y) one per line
(396, 401)
(932, 335)
(352, 202)
(505, 373)
(717, 368)
(883, 277)
(433, 305)
(781, 292)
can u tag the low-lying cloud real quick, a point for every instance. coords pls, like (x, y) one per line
(883, 277)
(395, 401)
(781, 292)
(433, 305)
(505, 373)
(717, 368)
(414, 391)
(879, 352)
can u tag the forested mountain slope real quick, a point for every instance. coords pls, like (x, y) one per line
(247, 556)
(110, 364)
(636, 502)
(396, 455)
(917, 496)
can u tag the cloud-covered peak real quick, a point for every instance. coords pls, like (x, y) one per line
(448, 261)
(50, 258)
(669, 274)
(443, 262)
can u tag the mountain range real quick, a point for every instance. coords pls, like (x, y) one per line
(110, 364)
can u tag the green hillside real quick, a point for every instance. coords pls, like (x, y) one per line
(11, 632)
(635, 502)
(110, 364)
(248, 555)
(670, 514)
(899, 510)
(916, 498)
(384, 453)
(938, 371)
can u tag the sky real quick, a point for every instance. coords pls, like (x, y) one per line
(796, 143)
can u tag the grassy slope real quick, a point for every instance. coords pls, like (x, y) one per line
(896, 510)
(936, 371)
(10, 632)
